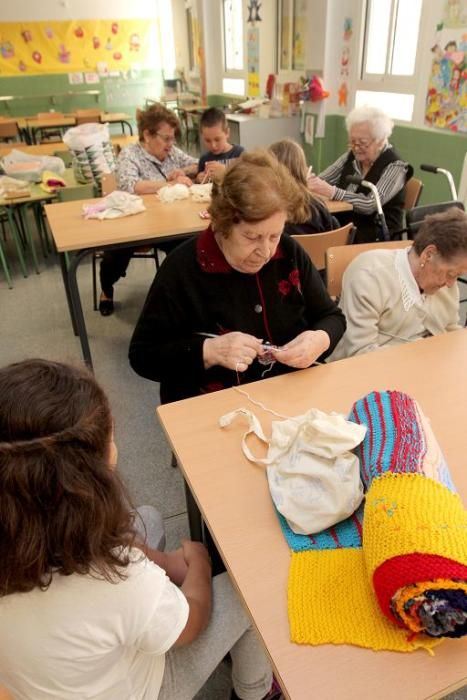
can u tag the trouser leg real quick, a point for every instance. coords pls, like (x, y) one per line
(149, 524)
(188, 668)
(114, 264)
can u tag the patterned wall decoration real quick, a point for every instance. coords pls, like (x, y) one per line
(34, 48)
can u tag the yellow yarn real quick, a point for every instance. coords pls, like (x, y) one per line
(407, 513)
(330, 596)
(331, 602)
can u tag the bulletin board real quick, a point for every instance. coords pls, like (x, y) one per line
(74, 46)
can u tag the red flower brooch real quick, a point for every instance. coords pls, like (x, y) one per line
(286, 286)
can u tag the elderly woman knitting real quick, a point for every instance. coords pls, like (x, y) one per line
(371, 157)
(240, 299)
(394, 296)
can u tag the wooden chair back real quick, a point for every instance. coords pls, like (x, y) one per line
(108, 184)
(413, 190)
(8, 129)
(50, 115)
(316, 244)
(88, 116)
(339, 257)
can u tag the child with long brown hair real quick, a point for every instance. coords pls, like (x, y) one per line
(87, 609)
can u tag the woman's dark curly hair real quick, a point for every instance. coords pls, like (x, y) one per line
(62, 509)
(153, 117)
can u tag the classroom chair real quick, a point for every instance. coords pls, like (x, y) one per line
(88, 116)
(339, 257)
(4, 263)
(413, 190)
(316, 244)
(50, 134)
(9, 130)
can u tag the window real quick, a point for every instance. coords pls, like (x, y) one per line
(292, 16)
(233, 35)
(389, 57)
(233, 86)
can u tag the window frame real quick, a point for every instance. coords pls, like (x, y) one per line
(288, 73)
(386, 82)
(232, 72)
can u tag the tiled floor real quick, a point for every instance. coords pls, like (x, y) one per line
(34, 322)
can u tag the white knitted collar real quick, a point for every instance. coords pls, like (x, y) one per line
(411, 295)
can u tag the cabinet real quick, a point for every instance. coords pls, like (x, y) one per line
(250, 131)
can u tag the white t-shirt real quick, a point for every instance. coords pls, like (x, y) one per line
(90, 639)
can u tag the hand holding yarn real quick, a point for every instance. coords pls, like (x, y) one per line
(234, 351)
(303, 350)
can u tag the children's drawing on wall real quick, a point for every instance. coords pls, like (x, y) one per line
(455, 14)
(73, 46)
(446, 101)
(348, 28)
(253, 61)
(344, 63)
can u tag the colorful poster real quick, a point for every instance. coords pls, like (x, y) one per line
(32, 48)
(253, 62)
(446, 100)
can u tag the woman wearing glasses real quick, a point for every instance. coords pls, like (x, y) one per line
(143, 168)
(371, 157)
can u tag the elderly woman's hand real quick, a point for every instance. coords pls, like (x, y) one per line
(319, 186)
(179, 177)
(303, 350)
(234, 351)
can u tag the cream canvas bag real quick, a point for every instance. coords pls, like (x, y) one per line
(313, 476)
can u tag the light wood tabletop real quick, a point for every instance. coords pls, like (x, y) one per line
(334, 207)
(72, 232)
(235, 502)
(48, 149)
(37, 194)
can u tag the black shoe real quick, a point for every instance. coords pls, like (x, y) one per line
(106, 307)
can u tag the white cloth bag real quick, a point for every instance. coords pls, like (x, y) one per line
(313, 476)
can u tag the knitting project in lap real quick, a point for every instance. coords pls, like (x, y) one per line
(400, 565)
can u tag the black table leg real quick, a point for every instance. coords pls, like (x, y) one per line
(64, 271)
(77, 307)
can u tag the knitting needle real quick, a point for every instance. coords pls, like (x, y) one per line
(310, 170)
(206, 176)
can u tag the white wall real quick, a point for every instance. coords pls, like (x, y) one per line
(30, 10)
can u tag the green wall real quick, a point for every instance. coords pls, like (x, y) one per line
(444, 149)
(116, 94)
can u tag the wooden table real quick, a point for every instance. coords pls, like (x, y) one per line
(117, 118)
(235, 503)
(160, 222)
(18, 220)
(36, 126)
(48, 149)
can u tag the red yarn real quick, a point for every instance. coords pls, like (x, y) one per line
(408, 569)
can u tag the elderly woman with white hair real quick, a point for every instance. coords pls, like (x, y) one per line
(371, 157)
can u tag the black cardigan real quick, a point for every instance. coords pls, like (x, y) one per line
(196, 291)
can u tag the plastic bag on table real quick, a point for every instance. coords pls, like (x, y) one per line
(30, 167)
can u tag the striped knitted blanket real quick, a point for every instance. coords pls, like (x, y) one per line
(399, 564)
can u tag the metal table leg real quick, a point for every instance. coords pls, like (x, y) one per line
(77, 307)
(194, 516)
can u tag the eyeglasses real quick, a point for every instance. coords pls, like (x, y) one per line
(166, 139)
(360, 143)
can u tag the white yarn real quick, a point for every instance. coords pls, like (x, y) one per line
(170, 193)
(201, 193)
